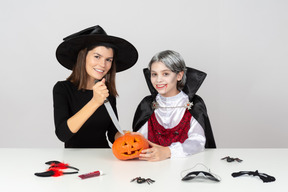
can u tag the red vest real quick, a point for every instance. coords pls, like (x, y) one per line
(164, 137)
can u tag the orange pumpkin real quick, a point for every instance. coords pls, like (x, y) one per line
(129, 146)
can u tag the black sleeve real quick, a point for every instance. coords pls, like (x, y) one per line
(199, 112)
(143, 113)
(61, 112)
(112, 129)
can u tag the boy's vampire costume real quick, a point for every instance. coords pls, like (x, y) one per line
(198, 110)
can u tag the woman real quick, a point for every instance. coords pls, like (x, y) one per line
(81, 119)
(173, 118)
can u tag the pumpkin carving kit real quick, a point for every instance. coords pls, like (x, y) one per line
(129, 146)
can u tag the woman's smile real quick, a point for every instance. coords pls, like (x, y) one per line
(99, 70)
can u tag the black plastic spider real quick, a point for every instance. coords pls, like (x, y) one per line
(231, 159)
(143, 180)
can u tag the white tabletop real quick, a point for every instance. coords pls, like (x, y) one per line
(19, 165)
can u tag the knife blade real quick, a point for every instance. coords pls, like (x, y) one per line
(112, 114)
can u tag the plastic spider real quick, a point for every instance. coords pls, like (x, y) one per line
(231, 159)
(143, 180)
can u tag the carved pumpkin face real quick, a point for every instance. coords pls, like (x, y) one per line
(129, 146)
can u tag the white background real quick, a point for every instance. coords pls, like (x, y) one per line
(241, 44)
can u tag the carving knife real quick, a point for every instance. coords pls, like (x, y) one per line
(112, 114)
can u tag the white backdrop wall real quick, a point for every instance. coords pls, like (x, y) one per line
(241, 44)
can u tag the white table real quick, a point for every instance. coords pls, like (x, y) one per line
(19, 165)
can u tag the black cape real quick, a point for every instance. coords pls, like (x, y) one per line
(194, 80)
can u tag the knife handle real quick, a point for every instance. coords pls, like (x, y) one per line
(97, 80)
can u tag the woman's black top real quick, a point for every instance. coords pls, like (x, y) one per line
(68, 100)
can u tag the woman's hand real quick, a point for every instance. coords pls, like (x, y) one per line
(156, 153)
(100, 92)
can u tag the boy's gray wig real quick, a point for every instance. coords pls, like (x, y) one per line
(173, 61)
